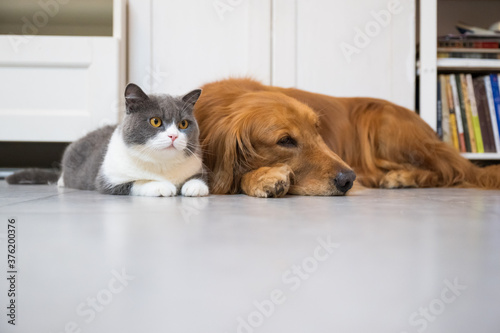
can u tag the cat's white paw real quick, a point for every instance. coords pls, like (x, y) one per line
(154, 189)
(60, 182)
(194, 188)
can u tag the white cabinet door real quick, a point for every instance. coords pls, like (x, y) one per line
(336, 47)
(187, 43)
(346, 48)
(57, 88)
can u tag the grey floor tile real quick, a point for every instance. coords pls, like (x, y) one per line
(375, 261)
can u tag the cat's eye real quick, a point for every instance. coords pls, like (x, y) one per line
(155, 122)
(183, 124)
(287, 141)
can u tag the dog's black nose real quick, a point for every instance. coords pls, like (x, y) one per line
(344, 180)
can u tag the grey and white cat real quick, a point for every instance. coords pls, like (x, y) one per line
(153, 152)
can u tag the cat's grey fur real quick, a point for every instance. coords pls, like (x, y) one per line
(83, 161)
(33, 177)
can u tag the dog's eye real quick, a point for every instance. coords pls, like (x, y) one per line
(287, 141)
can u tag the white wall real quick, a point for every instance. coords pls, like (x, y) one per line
(302, 43)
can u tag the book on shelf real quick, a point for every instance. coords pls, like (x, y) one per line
(451, 110)
(467, 54)
(471, 41)
(439, 109)
(458, 114)
(475, 116)
(472, 146)
(469, 112)
(469, 46)
(491, 108)
(445, 111)
(467, 29)
(463, 113)
(496, 96)
(484, 115)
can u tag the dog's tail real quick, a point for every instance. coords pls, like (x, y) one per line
(397, 139)
(449, 168)
(458, 171)
(489, 177)
(33, 176)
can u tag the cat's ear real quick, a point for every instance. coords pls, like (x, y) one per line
(192, 97)
(133, 97)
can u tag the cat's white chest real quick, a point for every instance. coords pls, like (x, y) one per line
(124, 164)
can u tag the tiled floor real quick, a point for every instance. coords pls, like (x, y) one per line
(375, 261)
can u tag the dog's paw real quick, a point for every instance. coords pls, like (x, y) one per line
(268, 182)
(154, 189)
(194, 188)
(398, 179)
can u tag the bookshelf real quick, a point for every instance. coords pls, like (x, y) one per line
(430, 66)
(461, 65)
(481, 156)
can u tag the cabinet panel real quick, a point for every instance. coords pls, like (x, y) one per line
(58, 88)
(361, 48)
(197, 41)
(357, 48)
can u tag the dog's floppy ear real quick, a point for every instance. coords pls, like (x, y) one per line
(233, 156)
(224, 164)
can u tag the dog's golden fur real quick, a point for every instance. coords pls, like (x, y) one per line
(241, 122)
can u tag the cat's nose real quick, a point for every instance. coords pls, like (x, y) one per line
(172, 137)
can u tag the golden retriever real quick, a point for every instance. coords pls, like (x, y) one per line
(269, 141)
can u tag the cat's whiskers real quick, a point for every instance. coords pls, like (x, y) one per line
(198, 144)
(157, 159)
(143, 153)
(192, 145)
(192, 153)
(201, 149)
(205, 167)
